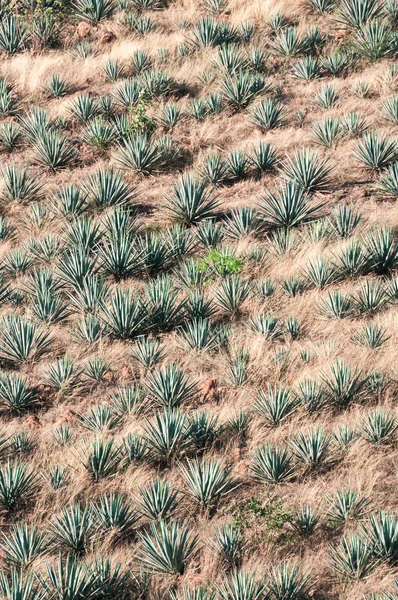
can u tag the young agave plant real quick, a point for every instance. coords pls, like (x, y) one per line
(22, 340)
(57, 477)
(375, 152)
(102, 459)
(208, 481)
(53, 151)
(229, 543)
(289, 206)
(312, 448)
(99, 418)
(22, 545)
(336, 305)
(286, 581)
(381, 250)
(169, 387)
(72, 529)
(343, 384)
(16, 395)
(18, 486)
(272, 464)
(191, 202)
(125, 316)
(240, 88)
(381, 530)
(268, 114)
(231, 294)
(157, 501)
(371, 336)
(241, 584)
(19, 184)
(276, 405)
(307, 171)
(378, 427)
(115, 516)
(167, 548)
(304, 521)
(167, 436)
(346, 505)
(352, 559)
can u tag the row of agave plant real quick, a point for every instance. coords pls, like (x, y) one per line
(370, 24)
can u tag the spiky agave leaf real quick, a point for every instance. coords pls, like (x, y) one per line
(347, 504)
(53, 150)
(381, 530)
(343, 383)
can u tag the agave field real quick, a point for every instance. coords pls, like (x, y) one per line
(198, 299)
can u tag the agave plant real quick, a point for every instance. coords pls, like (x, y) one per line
(229, 543)
(304, 521)
(352, 558)
(231, 294)
(276, 405)
(19, 184)
(371, 336)
(191, 202)
(170, 387)
(289, 206)
(94, 11)
(22, 340)
(167, 548)
(286, 581)
(102, 459)
(345, 505)
(68, 578)
(167, 436)
(388, 183)
(157, 501)
(343, 383)
(356, 13)
(265, 324)
(374, 40)
(312, 448)
(72, 529)
(381, 250)
(375, 152)
(307, 171)
(241, 584)
(125, 315)
(378, 426)
(272, 464)
(16, 395)
(22, 545)
(52, 150)
(288, 42)
(12, 34)
(268, 114)
(240, 88)
(208, 481)
(115, 516)
(145, 155)
(17, 584)
(18, 486)
(381, 530)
